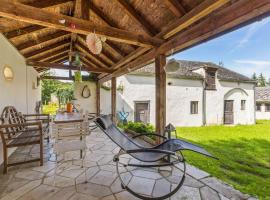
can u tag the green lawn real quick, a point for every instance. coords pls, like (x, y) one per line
(243, 152)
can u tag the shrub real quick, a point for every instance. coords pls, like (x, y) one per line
(138, 127)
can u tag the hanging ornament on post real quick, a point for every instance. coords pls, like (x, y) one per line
(172, 65)
(94, 43)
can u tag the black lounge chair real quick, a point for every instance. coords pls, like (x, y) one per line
(156, 156)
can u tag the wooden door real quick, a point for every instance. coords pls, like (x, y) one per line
(228, 112)
(142, 112)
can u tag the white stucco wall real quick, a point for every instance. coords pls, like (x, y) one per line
(19, 92)
(263, 114)
(87, 104)
(230, 91)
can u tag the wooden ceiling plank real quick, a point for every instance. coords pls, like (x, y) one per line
(23, 31)
(217, 24)
(62, 66)
(134, 15)
(175, 7)
(44, 39)
(17, 11)
(47, 48)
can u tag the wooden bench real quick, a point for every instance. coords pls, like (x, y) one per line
(21, 130)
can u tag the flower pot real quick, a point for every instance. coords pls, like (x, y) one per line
(69, 107)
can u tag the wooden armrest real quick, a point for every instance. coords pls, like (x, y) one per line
(37, 123)
(36, 115)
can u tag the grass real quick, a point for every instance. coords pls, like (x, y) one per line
(243, 152)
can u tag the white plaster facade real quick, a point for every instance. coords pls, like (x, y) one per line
(180, 92)
(20, 91)
(263, 113)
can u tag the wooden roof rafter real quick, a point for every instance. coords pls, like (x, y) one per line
(92, 57)
(24, 13)
(23, 31)
(49, 48)
(52, 53)
(59, 56)
(38, 40)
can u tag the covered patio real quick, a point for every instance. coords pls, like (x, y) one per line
(43, 35)
(33, 182)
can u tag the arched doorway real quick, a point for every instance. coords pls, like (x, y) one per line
(234, 102)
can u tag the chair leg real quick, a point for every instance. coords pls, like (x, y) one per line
(41, 152)
(5, 159)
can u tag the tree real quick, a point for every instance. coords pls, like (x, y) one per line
(254, 77)
(261, 80)
(63, 91)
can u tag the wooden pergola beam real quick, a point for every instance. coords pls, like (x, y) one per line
(65, 67)
(17, 11)
(46, 49)
(134, 15)
(41, 40)
(160, 82)
(113, 99)
(176, 7)
(63, 78)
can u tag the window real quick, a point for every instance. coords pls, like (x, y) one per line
(258, 107)
(267, 107)
(210, 80)
(243, 104)
(194, 107)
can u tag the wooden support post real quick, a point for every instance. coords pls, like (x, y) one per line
(160, 62)
(98, 97)
(113, 98)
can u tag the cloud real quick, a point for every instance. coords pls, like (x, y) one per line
(248, 67)
(252, 30)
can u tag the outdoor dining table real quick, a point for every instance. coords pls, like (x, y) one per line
(64, 117)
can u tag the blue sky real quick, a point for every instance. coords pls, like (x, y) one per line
(245, 50)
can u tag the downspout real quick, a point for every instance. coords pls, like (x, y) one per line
(204, 103)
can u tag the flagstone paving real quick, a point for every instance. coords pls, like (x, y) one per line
(33, 182)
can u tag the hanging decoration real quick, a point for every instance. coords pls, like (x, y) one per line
(86, 92)
(172, 66)
(77, 62)
(94, 43)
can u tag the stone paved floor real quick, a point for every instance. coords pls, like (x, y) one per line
(31, 182)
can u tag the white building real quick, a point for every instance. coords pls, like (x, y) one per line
(262, 102)
(199, 93)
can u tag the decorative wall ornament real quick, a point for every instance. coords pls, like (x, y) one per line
(94, 43)
(86, 92)
(8, 73)
(172, 66)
